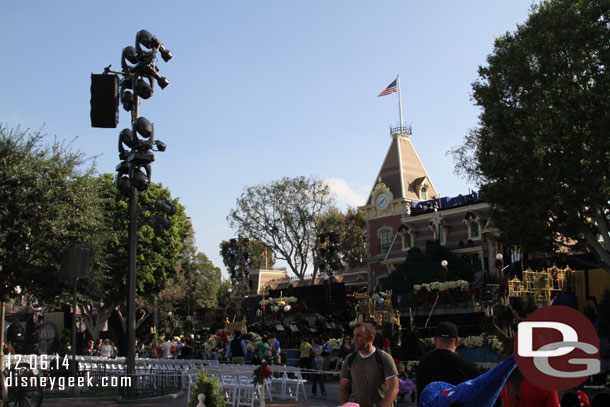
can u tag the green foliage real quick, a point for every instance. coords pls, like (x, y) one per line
(260, 255)
(242, 254)
(158, 251)
(194, 286)
(283, 215)
(541, 150)
(223, 294)
(48, 203)
(351, 227)
(209, 387)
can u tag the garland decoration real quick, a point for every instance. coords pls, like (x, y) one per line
(261, 373)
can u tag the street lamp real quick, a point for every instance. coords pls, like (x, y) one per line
(136, 146)
(444, 268)
(499, 265)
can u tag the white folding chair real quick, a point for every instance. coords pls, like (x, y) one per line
(293, 382)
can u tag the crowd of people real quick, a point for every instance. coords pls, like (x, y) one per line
(170, 348)
(368, 373)
(376, 379)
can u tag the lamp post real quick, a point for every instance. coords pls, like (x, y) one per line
(327, 247)
(499, 266)
(136, 146)
(444, 268)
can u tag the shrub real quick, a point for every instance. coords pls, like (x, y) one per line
(209, 387)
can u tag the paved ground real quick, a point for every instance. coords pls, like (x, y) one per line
(331, 399)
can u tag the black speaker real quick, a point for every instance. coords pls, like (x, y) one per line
(75, 263)
(104, 101)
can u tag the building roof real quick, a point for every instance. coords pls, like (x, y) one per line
(402, 171)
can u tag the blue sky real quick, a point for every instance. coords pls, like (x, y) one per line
(259, 89)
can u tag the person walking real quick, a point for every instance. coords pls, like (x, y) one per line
(166, 348)
(276, 346)
(345, 349)
(305, 353)
(155, 349)
(237, 351)
(317, 376)
(443, 364)
(106, 349)
(90, 350)
(370, 371)
(381, 342)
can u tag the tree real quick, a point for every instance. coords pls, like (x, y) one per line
(242, 254)
(158, 251)
(49, 202)
(194, 287)
(196, 279)
(541, 151)
(236, 256)
(351, 227)
(283, 215)
(223, 294)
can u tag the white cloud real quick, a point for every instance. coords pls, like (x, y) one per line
(344, 194)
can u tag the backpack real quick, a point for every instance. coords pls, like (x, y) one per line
(268, 352)
(173, 349)
(349, 359)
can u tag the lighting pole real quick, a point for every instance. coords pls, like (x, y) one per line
(136, 146)
(444, 268)
(499, 266)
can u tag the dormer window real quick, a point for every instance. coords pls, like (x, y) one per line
(474, 230)
(442, 234)
(407, 241)
(423, 193)
(473, 225)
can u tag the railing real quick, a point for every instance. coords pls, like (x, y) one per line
(98, 374)
(274, 268)
(406, 130)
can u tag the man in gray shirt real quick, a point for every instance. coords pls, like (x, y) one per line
(371, 371)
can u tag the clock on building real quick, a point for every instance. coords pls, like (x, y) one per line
(382, 201)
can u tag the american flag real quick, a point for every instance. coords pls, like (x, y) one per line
(390, 89)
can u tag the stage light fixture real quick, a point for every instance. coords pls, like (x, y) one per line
(125, 140)
(128, 100)
(124, 185)
(165, 53)
(146, 39)
(141, 180)
(129, 54)
(161, 146)
(143, 89)
(163, 82)
(151, 42)
(144, 127)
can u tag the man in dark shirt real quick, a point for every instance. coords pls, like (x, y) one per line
(443, 364)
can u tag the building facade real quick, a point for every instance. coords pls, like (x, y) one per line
(405, 211)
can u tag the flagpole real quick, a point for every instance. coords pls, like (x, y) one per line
(400, 124)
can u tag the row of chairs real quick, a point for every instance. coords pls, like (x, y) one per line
(235, 381)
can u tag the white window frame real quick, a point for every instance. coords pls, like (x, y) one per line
(385, 231)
